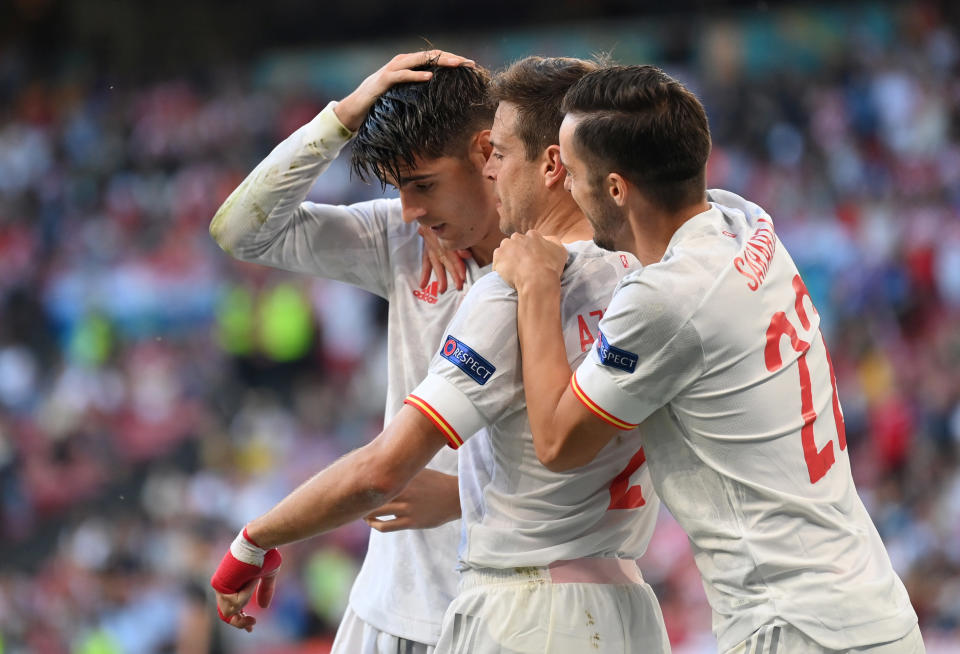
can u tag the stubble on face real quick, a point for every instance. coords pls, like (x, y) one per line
(606, 221)
(604, 215)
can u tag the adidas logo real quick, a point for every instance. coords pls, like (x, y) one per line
(428, 294)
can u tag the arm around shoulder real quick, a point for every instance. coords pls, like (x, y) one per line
(572, 436)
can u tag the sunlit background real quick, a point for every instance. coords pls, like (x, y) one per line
(156, 394)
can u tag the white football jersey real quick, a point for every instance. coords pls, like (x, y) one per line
(515, 511)
(409, 577)
(717, 351)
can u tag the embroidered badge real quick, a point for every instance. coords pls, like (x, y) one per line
(615, 357)
(463, 357)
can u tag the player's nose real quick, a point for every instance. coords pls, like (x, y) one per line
(411, 210)
(490, 169)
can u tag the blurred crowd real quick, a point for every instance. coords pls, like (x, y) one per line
(156, 394)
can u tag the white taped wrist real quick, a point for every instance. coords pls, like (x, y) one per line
(245, 551)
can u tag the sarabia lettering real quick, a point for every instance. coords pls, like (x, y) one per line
(463, 357)
(757, 254)
(614, 356)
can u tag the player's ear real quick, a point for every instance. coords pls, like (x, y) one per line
(553, 170)
(618, 188)
(480, 146)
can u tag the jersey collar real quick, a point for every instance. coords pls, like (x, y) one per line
(695, 225)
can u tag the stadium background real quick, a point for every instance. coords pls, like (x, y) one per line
(155, 394)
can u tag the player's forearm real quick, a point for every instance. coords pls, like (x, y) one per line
(348, 489)
(253, 218)
(546, 371)
(353, 486)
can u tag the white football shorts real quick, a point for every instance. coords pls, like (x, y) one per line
(569, 607)
(354, 636)
(787, 639)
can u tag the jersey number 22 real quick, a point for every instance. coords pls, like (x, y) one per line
(818, 460)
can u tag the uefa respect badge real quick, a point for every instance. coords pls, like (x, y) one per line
(464, 357)
(614, 356)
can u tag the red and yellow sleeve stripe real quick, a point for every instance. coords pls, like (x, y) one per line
(596, 409)
(434, 416)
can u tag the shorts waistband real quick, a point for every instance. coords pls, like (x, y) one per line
(575, 571)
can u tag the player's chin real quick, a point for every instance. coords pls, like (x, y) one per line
(507, 226)
(454, 241)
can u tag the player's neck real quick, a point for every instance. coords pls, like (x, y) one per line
(564, 220)
(651, 229)
(482, 252)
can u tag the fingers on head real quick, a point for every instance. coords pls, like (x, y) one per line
(444, 58)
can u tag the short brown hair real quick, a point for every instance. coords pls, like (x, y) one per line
(536, 85)
(645, 125)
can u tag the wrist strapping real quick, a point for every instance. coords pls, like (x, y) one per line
(246, 551)
(243, 562)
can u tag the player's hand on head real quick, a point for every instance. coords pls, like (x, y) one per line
(244, 570)
(530, 259)
(441, 262)
(353, 109)
(430, 499)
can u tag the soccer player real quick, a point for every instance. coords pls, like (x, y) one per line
(425, 129)
(714, 349)
(547, 559)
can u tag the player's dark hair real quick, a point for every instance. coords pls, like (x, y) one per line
(536, 85)
(640, 122)
(428, 119)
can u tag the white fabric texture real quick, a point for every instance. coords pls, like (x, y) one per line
(357, 637)
(245, 551)
(408, 577)
(515, 511)
(785, 639)
(743, 431)
(521, 612)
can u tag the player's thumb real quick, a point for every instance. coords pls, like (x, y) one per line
(266, 589)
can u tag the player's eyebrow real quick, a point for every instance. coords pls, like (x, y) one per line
(403, 181)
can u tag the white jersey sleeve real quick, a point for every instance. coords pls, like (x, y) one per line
(475, 376)
(267, 219)
(645, 353)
